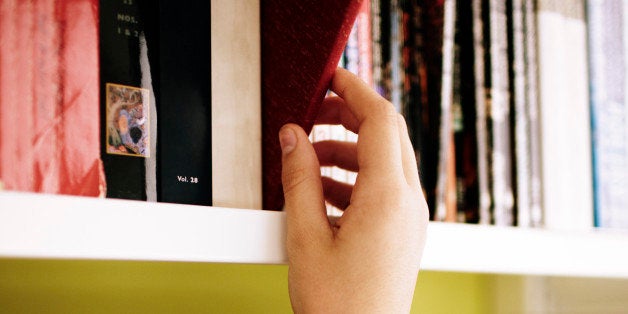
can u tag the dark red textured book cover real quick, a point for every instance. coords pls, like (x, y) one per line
(49, 125)
(302, 42)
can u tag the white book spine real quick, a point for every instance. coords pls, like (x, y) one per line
(532, 89)
(564, 115)
(521, 141)
(480, 107)
(500, 116)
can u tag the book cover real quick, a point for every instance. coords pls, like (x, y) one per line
(49, 127)
(302, 42)
(156, 100)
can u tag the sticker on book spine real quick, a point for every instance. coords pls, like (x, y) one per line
(128, 130)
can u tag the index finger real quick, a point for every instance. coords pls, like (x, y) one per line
(379, 148)
(359, 97)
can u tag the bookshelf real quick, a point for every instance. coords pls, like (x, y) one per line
(54, 226)
(69, 227)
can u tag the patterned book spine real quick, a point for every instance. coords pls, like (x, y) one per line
(376, 56)
(365, 43)
(396, 62)
(49, 117)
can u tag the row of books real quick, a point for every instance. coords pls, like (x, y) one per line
(112, 98)
(161, 100)
(496, 97)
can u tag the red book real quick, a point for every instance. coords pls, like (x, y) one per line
(302, 42)
(49, 105)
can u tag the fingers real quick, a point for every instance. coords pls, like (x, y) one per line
(408, 158)
(304, 203)
(378, 150)
(359, 97)
(334, 111)
(335, 153)
(337, 193)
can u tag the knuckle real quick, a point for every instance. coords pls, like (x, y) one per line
(294, 177)
(401, 121)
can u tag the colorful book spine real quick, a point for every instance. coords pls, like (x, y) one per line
(125, 103)
(447, 87)
(384, 84)
(396, 61)
(376, 56)
(290, 35)
(365, 43)
(49, 127)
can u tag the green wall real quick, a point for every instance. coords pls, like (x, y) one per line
(70, 286)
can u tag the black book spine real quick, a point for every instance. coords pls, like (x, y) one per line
(184, 102)
(123, 100)
(155, 70)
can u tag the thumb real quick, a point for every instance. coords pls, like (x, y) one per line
(303, 190)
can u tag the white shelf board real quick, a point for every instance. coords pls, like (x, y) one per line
(526, 251)
(53, 226)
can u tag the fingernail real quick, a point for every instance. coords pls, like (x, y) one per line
(287, 140)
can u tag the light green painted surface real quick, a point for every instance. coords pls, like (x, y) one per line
(68, 286)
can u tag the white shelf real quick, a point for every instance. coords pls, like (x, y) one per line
(52, 226)
(523, 251)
